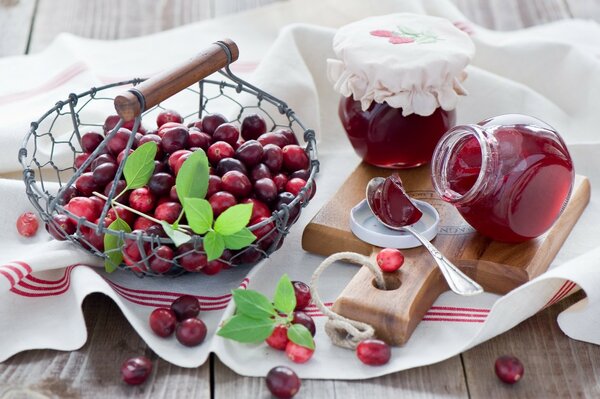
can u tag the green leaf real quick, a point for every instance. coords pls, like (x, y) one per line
(139, 165)
(192, 179)
(233, 219)
(213, 245)
(112, 245)
(253, 304)
(199, 214)
(177, 236)
(240, 239)
(245, 329)
(300, 335)
(285, 298)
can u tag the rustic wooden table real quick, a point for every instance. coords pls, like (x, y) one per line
(556, 366)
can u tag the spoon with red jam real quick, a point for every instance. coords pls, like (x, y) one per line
(395, 210)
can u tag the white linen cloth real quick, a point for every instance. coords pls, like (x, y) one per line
(551, 72)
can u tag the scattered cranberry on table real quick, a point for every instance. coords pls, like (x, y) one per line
(191, 332)
(136, 370)
(302, 318)
(302, 292)
(185, 307)
(298, 353)
(283, 382)
(27, 224)
(163, 321)
(278, 338)
(509, 369)
(373, 352)
(390, 260)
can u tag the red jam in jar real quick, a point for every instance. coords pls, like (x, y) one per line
(510, 176)
(383, 137)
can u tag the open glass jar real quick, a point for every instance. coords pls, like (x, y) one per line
(510, 176)
(399, 76)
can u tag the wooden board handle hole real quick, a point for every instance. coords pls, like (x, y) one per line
(392, 281)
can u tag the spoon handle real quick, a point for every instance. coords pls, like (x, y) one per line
(457, 280)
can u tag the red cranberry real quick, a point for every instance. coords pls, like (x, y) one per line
(141, 223)
(191, 332)
(123, 213)
(185, 307)
(121, 155)
(211, 122)
(278, 338)
(162, 322)
(303, 174)
(289, 135)
(285, 198)
(265, 190)
(82, 207)
(154, 138)
(249, 256)
(509, 369)
(141, 199)
(190, 259)
(92, 238)
(196, 124)
(110, 122)
(295, 185)
(253, 126)
(98, 204)
(27, 224)
(168, 211)
(90, 141)
(236, 183)
(297, 353)
(390, 259)
(213, 267)
(280, 181)
(168, 116)
(160, 167)
(156, 230)
(68, 194)
(214, 185)
(220, 201)
(136, 370)
(228, 164)
(132, 253)
(273, 157)
(294, 158)
(275, 138)
(174, 139)
(373, 352)
(169, 125)
(104, 173)
(121, 185)
(250, 153)
(226, 132)
(264, 230)
(260, 171)
(259, 208)
(118, 142)
(103, 158)
(173, 196)
(161, 259)
(160, 184)
(80, 160)
(218, 151)
(303, 296)
(85, 184)
(179, 163)
(199, 140)
(283, 382)
(302, 318)
(61, 225)
(174, 157)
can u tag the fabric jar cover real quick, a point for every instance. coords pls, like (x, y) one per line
(414, 62)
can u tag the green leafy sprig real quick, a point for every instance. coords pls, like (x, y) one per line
(256, 316)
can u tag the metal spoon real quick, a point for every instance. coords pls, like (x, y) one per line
(457, 280)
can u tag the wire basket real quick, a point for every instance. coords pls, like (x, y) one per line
(52, 149)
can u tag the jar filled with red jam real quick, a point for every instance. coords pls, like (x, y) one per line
(400, 77)
(510, 176)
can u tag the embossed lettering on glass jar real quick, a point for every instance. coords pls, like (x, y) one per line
(510, 176)
(400, 78)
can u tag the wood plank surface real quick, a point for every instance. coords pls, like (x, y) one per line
(15, 36)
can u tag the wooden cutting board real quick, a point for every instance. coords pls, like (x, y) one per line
(395, 313)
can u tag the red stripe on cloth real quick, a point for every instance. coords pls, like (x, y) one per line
(557, 293)
(160, 305)
(17, 270)
(8, 276)
(24, 284)
(43, 294)
(24, 265)
(49, 284)
(451, 308)
(455, 314)
(565, 291)
(453, 320)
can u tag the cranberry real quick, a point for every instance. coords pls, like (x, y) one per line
(218, 151)
(264, 230)
(220, 201)
(104, 173)
(173, 196)
(289, 135)
(260, 171)
(249, 256)
(169, 125)
(80, 160)
(191, 332)
(160, 184)
(136, 370)
(278, 338)
(168, 211)
(141, 223)
(303, 174)
(27, 224)
(298, 353)
(161, 259)
(61, 225)
(265, 190)
(228, 164)
(121, 185)
(509, 369)
(168, 115)
(162, 322)
(373, 352)
(190, 259)
(302, 318)
(236, 183)
(253, 126)
(250, 153)
(199, 140)
(101, 159)
(211, 122)
(213, 267)
(85, 184)
(94, 240)
(179, 163)
(174, 139)
(98, 204)
(295, 185)
(90, 141)
(156, 230)
(280, 181)
(302, 292)
(174, 157)
(123, 213)
(118, 142)
(110, 122)
(82, 207)
(259, 208)
(390, 259)
(160, 167)
(226, 132)
(154, 138)
(195, 124)
(294, 158)
(283, 382)
(214, 185)
(121, 155)
(141, 199)
(132, 253)
(185, 307)
(69, 193)
(273, 157)
(285, 198)
(275, 138)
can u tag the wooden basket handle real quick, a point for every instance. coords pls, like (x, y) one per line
(152, 91)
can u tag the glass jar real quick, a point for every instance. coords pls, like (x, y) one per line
(510, 176)
(383, 137)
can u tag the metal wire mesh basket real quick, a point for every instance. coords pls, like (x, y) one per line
(52, 160)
